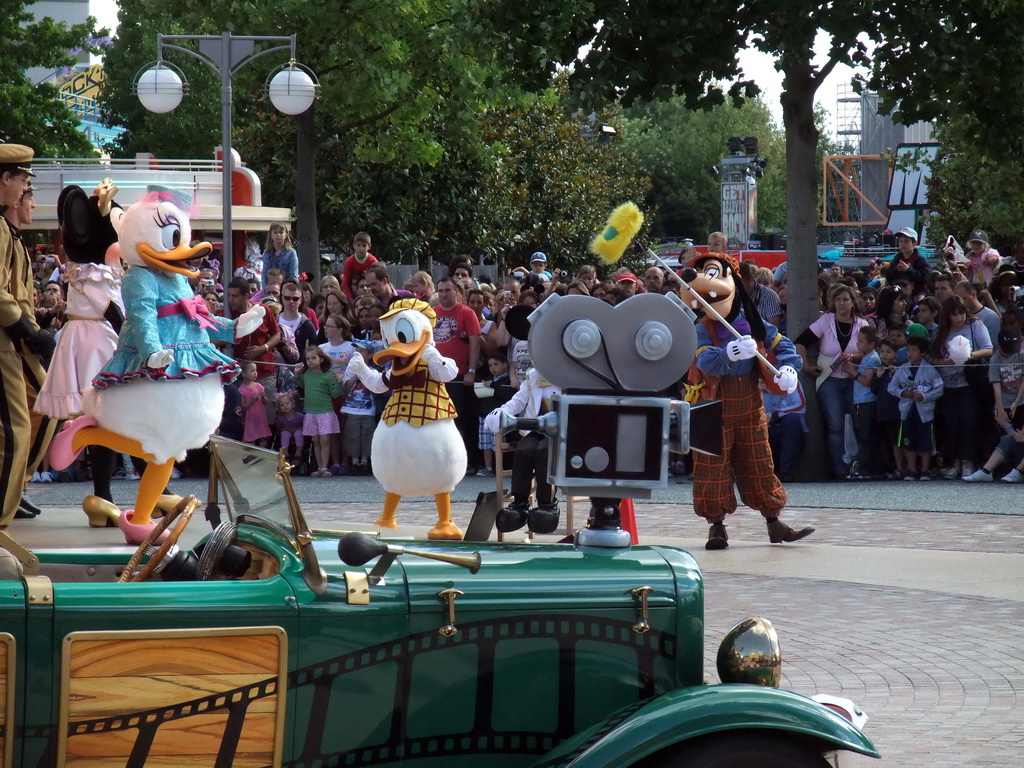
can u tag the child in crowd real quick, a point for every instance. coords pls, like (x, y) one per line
(357, 263)
(897, 334)
(865, 464)
(498, 367)
(868, 298)
(338, 347)
(289, 425)
(887, 407)
(257, 428)
(918, 385)
(319, 385)
(1006, 373)
(928, 314)
(360, 419)
(787, 430)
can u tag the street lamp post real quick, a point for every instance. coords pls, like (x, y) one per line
(292, 89)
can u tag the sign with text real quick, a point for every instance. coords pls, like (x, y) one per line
(739, 211)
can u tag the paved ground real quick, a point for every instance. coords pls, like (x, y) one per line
(908, 599)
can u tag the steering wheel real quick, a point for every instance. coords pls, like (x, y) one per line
(182, 514)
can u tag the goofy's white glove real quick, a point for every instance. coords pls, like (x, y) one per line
(743, 348)
(787, 379)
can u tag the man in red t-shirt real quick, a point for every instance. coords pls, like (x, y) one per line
(258, 345)
(457, 336)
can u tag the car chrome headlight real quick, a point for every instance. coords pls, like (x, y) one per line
(749, 653)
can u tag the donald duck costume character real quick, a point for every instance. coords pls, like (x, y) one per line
(160, 394)
(416, 449)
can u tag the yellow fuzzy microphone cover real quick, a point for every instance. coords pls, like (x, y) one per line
(620, 230)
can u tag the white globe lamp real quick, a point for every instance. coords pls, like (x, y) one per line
(292, 91)
(160, 89)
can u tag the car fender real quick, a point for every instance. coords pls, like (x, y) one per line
(686, 713)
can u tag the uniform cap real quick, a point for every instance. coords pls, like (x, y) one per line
(17, 157)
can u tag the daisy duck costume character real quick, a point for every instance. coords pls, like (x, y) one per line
(729, 368)
(416, 449)
(160, 394)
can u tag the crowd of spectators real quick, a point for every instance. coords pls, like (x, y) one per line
(967, 424)
(919, 368)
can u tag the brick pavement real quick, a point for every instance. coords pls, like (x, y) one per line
(842, 527)
(940, 676)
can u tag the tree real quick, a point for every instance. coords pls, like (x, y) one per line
(960, 72)
(31, 113)
(193, 129)
(526, 181)
(969, 190)
(384, 67)
(550, 187)
(677, 147)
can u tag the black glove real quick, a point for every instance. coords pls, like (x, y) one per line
(39, 341)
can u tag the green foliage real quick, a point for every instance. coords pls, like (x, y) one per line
(677, 147)
(962, 72)
(962, 68)
(193, 129)
(526, 181)
(549, 188)
(417, 140)
(968, 191)
(30, 114)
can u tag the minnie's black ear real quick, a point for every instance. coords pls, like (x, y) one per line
(86, 234)
(74, 212)
(517, 320)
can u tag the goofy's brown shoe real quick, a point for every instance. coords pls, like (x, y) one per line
(717, 536)
(779, 532)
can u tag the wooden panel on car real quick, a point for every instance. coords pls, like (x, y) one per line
(158, 698)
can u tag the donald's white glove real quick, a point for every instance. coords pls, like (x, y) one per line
(356, 366)
(160, 359)
(743, 348)
(430, 354)
(787, 378)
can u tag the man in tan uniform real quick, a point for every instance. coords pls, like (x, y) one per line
(24, 436)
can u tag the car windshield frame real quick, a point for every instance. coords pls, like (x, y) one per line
(257, 490)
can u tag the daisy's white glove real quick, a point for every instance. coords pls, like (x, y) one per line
(160, 359)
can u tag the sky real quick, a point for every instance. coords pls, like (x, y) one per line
(758, 66)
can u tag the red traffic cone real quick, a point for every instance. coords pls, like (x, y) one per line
(627, 516)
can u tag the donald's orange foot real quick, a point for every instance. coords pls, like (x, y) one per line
(445, 529)
(386, 522)
(136, 533)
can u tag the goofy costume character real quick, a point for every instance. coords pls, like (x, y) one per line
(727, 369)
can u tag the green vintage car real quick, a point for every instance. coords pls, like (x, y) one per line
(264, 648)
